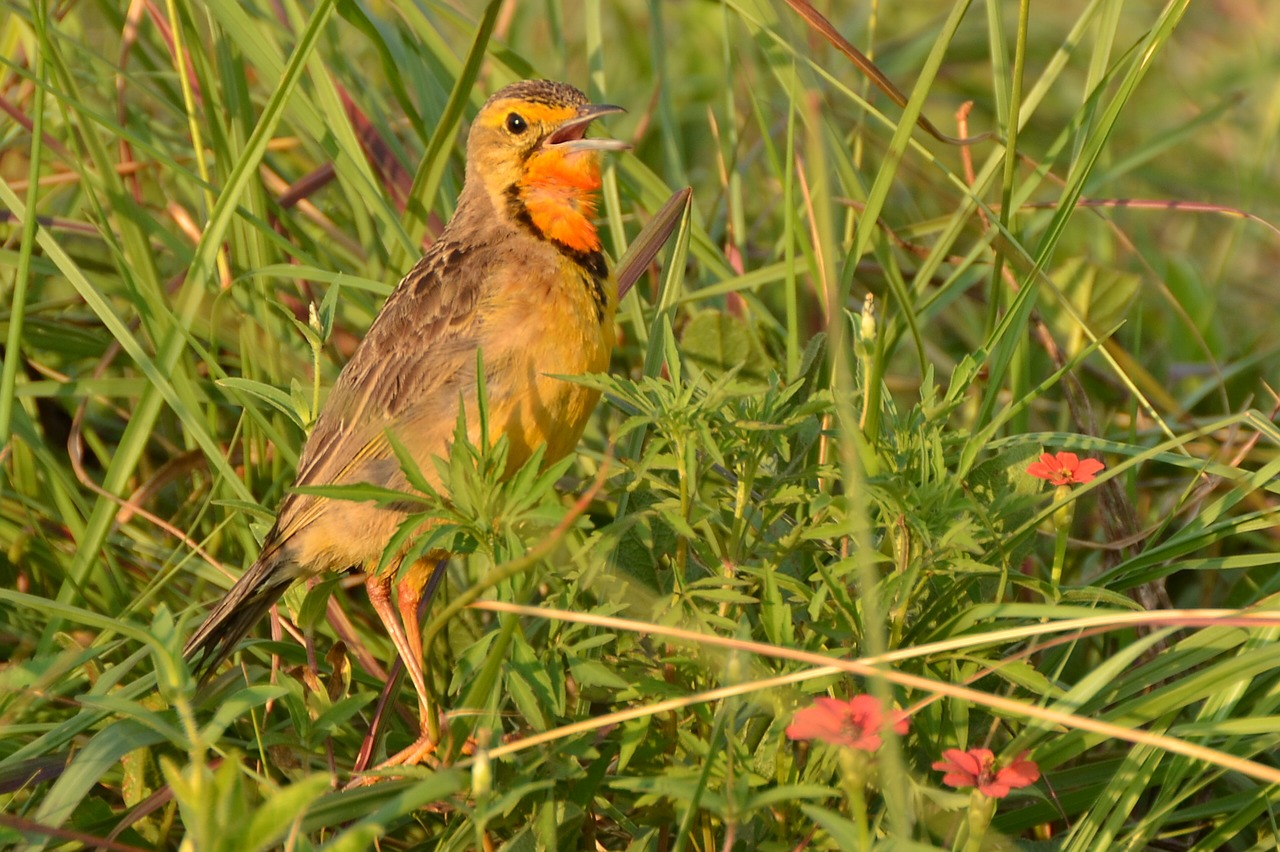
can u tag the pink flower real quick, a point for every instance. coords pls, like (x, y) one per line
(977, 768)
(855, 723)
(1065, 469)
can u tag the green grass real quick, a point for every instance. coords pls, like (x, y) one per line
(790, 491)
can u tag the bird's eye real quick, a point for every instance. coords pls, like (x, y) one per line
(516, 123)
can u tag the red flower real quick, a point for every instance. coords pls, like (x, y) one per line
(977, 768)
(855, 723)
(1065, 469)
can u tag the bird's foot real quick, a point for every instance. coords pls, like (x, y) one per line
(422, 752)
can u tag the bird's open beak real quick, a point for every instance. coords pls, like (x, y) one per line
(570, 136)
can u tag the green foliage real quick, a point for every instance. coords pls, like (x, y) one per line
(812, 444)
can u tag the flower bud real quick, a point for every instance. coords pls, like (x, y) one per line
(869, 318)
(1062, 515)
(481, 775)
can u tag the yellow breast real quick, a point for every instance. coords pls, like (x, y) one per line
(556, 327)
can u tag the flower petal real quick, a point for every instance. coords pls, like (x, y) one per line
(863, 718)
(1086, 470)
(865, 710)
(1046, 468)
(994, 788)
(962, 768)
(979, 759)
(1019, 773)
(823, 720)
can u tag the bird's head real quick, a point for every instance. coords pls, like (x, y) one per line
(528, 150)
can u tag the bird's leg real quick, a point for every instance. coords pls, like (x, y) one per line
(402, 622)
(409, 594)
(410, 651)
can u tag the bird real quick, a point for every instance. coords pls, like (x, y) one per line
(517, 282)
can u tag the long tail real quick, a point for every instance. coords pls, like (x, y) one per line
(234, 616)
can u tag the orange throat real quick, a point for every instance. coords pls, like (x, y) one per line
(559, 192)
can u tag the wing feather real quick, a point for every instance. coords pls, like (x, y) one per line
(416, 350)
